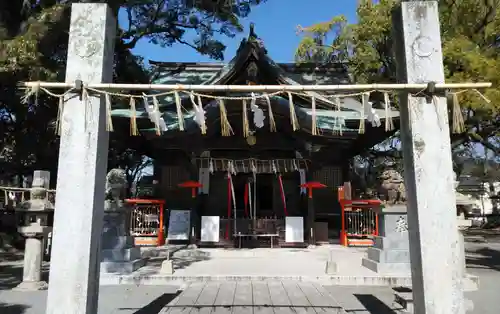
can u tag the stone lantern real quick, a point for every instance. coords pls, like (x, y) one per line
(36, 214)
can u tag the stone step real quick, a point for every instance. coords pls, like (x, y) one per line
(118, 255)
(388, 256)
(122, 267)
(384, 243)
(117, 242)
(387, 268)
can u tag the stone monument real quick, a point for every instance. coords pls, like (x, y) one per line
(35, 227)
(118, 252)
(391, 252)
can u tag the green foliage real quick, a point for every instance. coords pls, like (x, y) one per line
(471, 48)
(33, 46)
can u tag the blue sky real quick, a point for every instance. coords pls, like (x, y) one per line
(275, 22)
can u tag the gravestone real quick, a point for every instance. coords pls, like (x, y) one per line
(118, 252)
(391, 252)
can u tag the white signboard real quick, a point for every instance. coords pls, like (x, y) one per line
(294, 229)
(210, 226)
(179, 225)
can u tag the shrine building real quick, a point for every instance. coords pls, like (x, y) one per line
(267, 146)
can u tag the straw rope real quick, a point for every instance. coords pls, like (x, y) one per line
(226, 129)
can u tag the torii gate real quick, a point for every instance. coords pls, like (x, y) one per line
(74, 273)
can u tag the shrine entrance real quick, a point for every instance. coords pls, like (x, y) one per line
(254, 194)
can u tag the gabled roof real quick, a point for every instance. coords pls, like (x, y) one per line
(252, 64)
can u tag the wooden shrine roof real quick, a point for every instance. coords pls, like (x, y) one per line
(252, 65)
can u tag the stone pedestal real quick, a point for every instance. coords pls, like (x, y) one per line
(390, 254)
(36, 226)
(117, 246)
(32, 268)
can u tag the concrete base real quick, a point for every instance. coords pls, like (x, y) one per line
(128, 254)
(311, 246)
(167, 268)
(405, 299)
(31, 286)
(386, 268)
(125, 267)
(192, 247)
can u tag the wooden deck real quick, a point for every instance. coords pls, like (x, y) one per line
(253, 298)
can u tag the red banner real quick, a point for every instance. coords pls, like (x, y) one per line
(282, 191)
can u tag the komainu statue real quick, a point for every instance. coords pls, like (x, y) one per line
(392, 188)
(116, 184)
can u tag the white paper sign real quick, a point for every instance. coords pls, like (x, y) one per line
(294, 229)
(210, 226)
(179, 225)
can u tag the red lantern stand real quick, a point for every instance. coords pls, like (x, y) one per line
(311, 214)
(349, 206)
(193, 185)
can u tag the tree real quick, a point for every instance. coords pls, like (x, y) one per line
(471, 47)
(33, 46)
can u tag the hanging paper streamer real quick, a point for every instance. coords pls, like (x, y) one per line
(293, 115)
(364, 104)
(199, 113)
(389, 125)
(178, 107)
(314, 126)
(258, 114)
(338, 120)
(246, 127)
(211, 166)
(133, 119)
(225, 126)
(272, 122)
(282, 192)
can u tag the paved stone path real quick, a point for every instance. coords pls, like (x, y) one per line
(254, 298)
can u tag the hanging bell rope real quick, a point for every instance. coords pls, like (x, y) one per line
(364, 106)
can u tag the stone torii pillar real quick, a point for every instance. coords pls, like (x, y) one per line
(83, 156)
(432, 222)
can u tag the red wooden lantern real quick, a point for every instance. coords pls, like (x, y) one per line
(312, 185)
(191, 184)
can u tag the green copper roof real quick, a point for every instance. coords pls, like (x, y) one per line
(253, 63)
